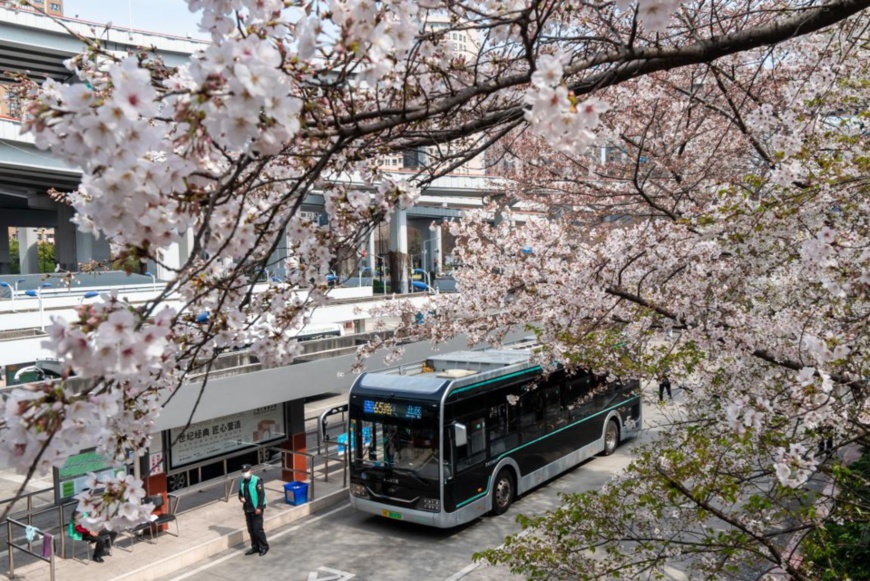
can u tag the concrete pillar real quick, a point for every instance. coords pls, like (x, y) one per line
(297, 468)
(372, 254)
(5, 259)
(277, 264)
(170, 262)
(399, 252)
(175, 256)
(89, 247)
(65, 237)
(28, 250)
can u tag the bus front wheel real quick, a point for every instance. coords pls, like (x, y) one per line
(611, 437)
(503, 493)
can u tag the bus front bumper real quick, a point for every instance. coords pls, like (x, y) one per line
(394, 512)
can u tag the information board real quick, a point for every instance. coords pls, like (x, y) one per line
(72, 478)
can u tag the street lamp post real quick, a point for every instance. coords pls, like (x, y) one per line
(382, 258)
(424, 273)
(88, 295)
(38, 294)
(434, 255)
(11, 293)
(153, 280)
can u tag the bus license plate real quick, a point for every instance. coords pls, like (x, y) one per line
(391, 514)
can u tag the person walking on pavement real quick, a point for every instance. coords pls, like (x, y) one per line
(665, 384)
(253, 496)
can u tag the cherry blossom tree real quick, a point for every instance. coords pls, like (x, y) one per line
(735, 216)
(720, 238)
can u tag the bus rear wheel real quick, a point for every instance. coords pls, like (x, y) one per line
(503, 492)
(611, 438)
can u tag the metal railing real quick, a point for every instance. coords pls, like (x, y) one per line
(324, 433)
(10, 544)
(27, 515)
(311, 471)
(341, 456)
(228, 479)
(309, 462)
(28, 498)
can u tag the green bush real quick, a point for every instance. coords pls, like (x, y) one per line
(45, 250)
(842, 551)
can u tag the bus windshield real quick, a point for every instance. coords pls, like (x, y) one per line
(398, 443)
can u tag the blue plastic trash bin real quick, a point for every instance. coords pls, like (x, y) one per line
(296, 493)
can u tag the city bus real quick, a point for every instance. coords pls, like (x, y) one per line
(462, 434)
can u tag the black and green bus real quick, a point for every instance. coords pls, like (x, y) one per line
(461, 434)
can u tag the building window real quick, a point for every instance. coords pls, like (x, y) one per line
(413, 158)
(55, 7)
(10, 104)
(614, 155)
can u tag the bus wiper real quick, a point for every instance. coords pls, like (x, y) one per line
(411, 473)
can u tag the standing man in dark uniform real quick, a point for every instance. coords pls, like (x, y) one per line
(665, 384)
(253, 496)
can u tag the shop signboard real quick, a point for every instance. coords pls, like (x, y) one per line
(212, 438)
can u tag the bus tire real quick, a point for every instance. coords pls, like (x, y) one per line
(503, 492)
(611, 437)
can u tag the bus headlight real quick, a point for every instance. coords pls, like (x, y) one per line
(431, 504)
(358, 489)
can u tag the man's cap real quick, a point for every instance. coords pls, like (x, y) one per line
(246, 467)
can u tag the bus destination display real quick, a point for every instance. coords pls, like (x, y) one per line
(394, 410)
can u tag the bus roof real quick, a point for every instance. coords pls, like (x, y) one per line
(431, 377)
(480, 360)
(416, 384)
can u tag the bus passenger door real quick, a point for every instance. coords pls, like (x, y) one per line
(469, 463)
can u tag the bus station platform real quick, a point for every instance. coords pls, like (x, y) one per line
(207, 526)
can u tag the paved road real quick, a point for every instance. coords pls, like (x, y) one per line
(342, 544)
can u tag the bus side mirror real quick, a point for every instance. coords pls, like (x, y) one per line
(460, 435)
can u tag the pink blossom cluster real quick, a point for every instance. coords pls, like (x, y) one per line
(555, 113)
(113, 502)
(109, 346)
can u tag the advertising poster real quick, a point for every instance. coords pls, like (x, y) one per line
(219, 436)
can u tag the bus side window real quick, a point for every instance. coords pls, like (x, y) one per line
(552, 408)
(528, 409)
(531, 415)
(498, 420)
(575, 395)
(503, 424)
